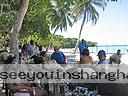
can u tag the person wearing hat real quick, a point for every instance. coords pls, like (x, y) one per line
(102, 57)
(58, 56)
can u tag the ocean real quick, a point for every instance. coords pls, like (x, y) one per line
(109, 48)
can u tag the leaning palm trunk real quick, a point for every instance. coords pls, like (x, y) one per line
(50, 41)
(16, 29)
(80, 31)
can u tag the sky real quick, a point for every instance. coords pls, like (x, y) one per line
(110, 29)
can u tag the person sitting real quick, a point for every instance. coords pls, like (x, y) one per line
(24, 47)
(71, 90)
(85, 58)
(102, 57)
(116, 57)
(41, 51)
(10, 58)
(38, 60)
(22, 88)
(58, 56)
(3, 55)
(6, 57)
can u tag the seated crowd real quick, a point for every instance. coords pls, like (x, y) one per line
(27, 52)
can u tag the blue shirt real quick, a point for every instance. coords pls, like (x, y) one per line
(82, 46)
(103, 62)
(59, 57)
(30, 49)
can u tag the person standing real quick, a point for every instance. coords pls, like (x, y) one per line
(36, 48)
(30, 48)
(81, 46)
(41, 51)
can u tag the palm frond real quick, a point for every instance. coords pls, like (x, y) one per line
(69, 21)
(99, 3)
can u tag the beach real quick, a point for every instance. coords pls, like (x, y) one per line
(73, 58)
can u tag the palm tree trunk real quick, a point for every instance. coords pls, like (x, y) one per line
(80, 31)
(14, 34)
(50, 41)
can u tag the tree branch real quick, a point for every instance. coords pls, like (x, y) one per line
(34, 5)
(3, 13)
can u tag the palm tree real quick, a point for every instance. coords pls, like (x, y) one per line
(87, 10)
(59, 17)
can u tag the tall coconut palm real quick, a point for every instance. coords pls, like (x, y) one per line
(86, 9)
(59, 17)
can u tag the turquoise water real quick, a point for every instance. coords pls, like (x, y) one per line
(110, 48)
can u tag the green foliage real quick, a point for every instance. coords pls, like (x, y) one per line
(69, 42)
(6, 22)
(43, 14)
(58, 14)
(88, 8)
(8, 17)
(90, 43)
(35, 21)
(14, 4)
(35, 25)
(64, 42)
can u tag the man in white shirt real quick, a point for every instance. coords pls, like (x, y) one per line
(116, 57)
